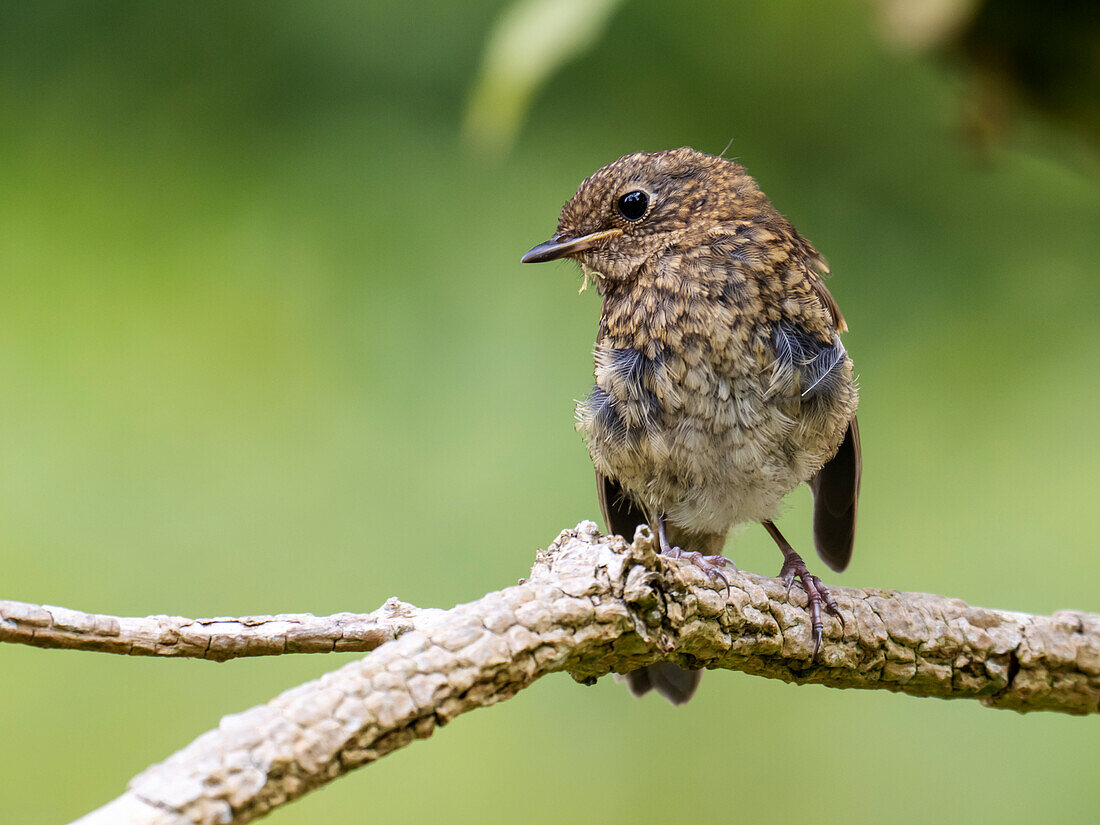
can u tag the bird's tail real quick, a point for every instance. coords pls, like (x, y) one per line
(671, 681)
(623, 515)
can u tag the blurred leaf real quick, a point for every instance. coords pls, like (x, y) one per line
(528, 42)
(919, 25)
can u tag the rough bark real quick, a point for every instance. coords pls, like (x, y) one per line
(217, 639)
(592, 606)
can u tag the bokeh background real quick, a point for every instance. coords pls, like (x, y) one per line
(266, 346)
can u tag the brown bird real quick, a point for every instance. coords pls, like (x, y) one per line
(721, 381)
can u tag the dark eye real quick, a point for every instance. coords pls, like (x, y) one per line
(633, 205)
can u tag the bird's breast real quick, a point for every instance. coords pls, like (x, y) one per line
(687, 416)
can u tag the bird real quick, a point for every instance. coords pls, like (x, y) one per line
(721, 383)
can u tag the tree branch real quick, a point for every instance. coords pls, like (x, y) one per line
(594, 605)
(216, 639)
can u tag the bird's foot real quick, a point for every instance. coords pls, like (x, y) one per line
(713, 566)
(817, 594)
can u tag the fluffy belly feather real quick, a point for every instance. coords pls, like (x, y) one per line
(708, 447)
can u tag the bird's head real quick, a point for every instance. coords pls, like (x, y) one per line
(645, 203)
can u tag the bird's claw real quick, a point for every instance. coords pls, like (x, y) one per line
(712, 566)
(817, 594)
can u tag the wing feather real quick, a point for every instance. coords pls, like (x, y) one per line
(836, 501)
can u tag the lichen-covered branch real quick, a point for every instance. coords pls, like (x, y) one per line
(216, 639)
(595, 605)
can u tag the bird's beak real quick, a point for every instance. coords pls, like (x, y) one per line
(562, 245)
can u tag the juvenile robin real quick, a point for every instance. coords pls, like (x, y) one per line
(721, 382)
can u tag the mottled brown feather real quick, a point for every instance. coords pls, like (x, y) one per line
(720, 381)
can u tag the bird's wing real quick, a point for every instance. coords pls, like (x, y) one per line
(836, 501)
(817, 270)
(836, 485)
(804, 363)
(826, 297)
(622, 516)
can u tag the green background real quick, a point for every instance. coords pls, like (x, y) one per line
(266, 346)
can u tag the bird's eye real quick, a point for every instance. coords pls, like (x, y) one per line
(633, 205)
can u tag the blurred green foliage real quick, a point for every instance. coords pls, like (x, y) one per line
(266, 346)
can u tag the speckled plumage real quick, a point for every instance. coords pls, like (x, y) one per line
(721, 383)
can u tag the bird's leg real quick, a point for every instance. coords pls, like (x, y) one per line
(816, 592)
(712, 565)
(662, 536)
